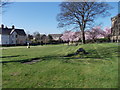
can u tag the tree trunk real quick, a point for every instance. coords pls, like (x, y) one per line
(83, 35)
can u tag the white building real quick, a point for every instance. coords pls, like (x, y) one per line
(12, 36)
(56, 37)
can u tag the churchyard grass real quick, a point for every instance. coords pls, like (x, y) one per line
(98, 69)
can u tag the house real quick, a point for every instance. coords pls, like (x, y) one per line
(44, 38)
(115, 29)
(50, 38)
(55, 37)
(12, 36)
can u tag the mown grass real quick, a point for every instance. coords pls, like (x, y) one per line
(98, 69)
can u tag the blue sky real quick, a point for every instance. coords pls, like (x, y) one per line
(41, 16)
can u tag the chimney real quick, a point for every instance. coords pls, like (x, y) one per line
(13, 27)
(2, 26)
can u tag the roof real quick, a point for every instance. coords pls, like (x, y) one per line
(7, 31)
(55, 35)
(20, 32)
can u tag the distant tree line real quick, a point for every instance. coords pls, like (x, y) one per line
(41, 39)
(93, 35)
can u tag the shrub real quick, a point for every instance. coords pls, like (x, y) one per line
(103, 40)
(89, 41)
(100, 40)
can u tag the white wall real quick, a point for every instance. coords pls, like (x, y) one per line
(56, 38)
(5, 39)
(13, 38)
(21, 39)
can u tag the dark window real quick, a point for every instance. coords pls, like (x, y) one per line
(16, 36)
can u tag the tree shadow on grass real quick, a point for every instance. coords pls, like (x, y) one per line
(32, 59)
(93, 54)
(60, 58)
(96, 55)
(11, 56)
(21, 61)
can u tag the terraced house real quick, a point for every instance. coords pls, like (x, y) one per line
(12, 36)
(115, 29)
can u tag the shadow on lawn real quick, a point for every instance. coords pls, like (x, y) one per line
(11, 56)
(48, 58)
(21, 61)
(32, 59)
(93, 54)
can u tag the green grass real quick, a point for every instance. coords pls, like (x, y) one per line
(98, 69)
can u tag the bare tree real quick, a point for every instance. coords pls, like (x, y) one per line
(4, 3)
(36, 36)
(81, 14)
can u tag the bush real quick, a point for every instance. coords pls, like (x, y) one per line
(100, 40)
(89, 41)
(103, 40)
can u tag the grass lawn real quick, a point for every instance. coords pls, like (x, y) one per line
(98, 69)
